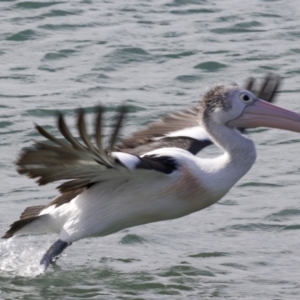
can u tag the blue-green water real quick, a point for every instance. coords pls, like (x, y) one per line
(160, 56)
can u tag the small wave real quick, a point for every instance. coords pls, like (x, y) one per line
(210, 66)
(188, 78)
(292, 227)
(242, 27)
(130, 239)
(61, 54)
(284, 214)
(128, 55)
(208, 254)
(35, 4)
(185, 270)
(260, 184)
(179, 54)
(193, 11)
(253, 227)
(24, 35)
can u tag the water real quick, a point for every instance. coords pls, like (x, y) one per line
(159, 56)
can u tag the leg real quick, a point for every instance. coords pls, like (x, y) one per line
(53, 253)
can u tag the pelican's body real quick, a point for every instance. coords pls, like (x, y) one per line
(128, 201)
(108, 193)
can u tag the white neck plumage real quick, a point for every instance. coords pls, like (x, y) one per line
(239, 156)
(235, 144)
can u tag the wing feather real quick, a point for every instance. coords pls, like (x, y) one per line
(81, 165)
(67, 134)
(70, 160)
(83, 133)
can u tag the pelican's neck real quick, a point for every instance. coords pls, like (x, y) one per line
(240, 153)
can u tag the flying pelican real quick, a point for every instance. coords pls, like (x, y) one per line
(108, 191)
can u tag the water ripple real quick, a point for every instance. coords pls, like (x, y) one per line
(35, 4)
(132, 239)
(24, 35)
(193, 11)
(64, 53)
(160, 57)
(210, 66)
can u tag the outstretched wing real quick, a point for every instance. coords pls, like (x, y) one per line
(178, 129)
(84, 163)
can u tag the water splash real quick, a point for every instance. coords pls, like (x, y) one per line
(21, 259)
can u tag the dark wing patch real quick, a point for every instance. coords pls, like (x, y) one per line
(163, 164)
(183, 142)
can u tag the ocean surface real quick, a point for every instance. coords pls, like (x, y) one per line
(159, 56)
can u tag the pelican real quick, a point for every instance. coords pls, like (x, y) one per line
(106, 191)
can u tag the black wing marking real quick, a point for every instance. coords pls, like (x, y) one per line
(164, 164)
(190, 144)
(159, 163)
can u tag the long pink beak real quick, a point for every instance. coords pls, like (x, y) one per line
(264, 114)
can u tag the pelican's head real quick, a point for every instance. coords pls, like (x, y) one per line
(238, 107)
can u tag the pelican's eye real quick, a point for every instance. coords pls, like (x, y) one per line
(246, 98)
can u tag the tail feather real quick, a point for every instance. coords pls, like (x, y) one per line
(16, 226)
(29, 215)
(53, 253)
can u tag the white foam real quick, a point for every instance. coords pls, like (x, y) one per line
(21, 256)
